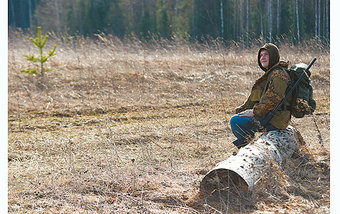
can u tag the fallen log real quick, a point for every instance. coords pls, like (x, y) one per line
(243, 170)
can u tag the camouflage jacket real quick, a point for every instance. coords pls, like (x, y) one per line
(267, 93)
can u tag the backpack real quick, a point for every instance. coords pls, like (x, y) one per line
(302, 101)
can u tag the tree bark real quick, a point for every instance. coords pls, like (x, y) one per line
(245, 169)
(297, 20)
(29, 13)
(221, 17)
(241, 19)
(319, 19)
(12, 12)
(327, 21)
(170, 16)
(247, 22)
(324, 19)
(278, 9)
(316, 19)
(235, 18)
(57, 11)
(270, 21)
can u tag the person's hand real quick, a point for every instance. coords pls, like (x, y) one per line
(247, 113)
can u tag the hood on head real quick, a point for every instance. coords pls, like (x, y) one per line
(274, 55)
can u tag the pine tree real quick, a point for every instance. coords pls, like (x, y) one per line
(39, 42)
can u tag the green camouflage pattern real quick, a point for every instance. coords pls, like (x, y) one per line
(266, 94)
(272, 95)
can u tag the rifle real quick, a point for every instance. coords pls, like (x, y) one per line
(290, 91)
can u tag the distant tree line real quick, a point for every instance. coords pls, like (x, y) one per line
(237, 20)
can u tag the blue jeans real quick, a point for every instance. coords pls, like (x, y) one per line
(244, 129)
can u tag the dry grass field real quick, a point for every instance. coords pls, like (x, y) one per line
(123, 126)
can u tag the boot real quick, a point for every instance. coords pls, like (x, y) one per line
(240, 143)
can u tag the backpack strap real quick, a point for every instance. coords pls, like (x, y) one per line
(287, 105)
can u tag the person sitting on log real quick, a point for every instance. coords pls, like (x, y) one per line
(266, 94)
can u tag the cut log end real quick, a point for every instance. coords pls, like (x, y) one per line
(222, 179)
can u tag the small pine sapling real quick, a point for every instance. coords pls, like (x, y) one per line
(39, 42)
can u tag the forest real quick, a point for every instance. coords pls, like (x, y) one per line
(191, 20)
